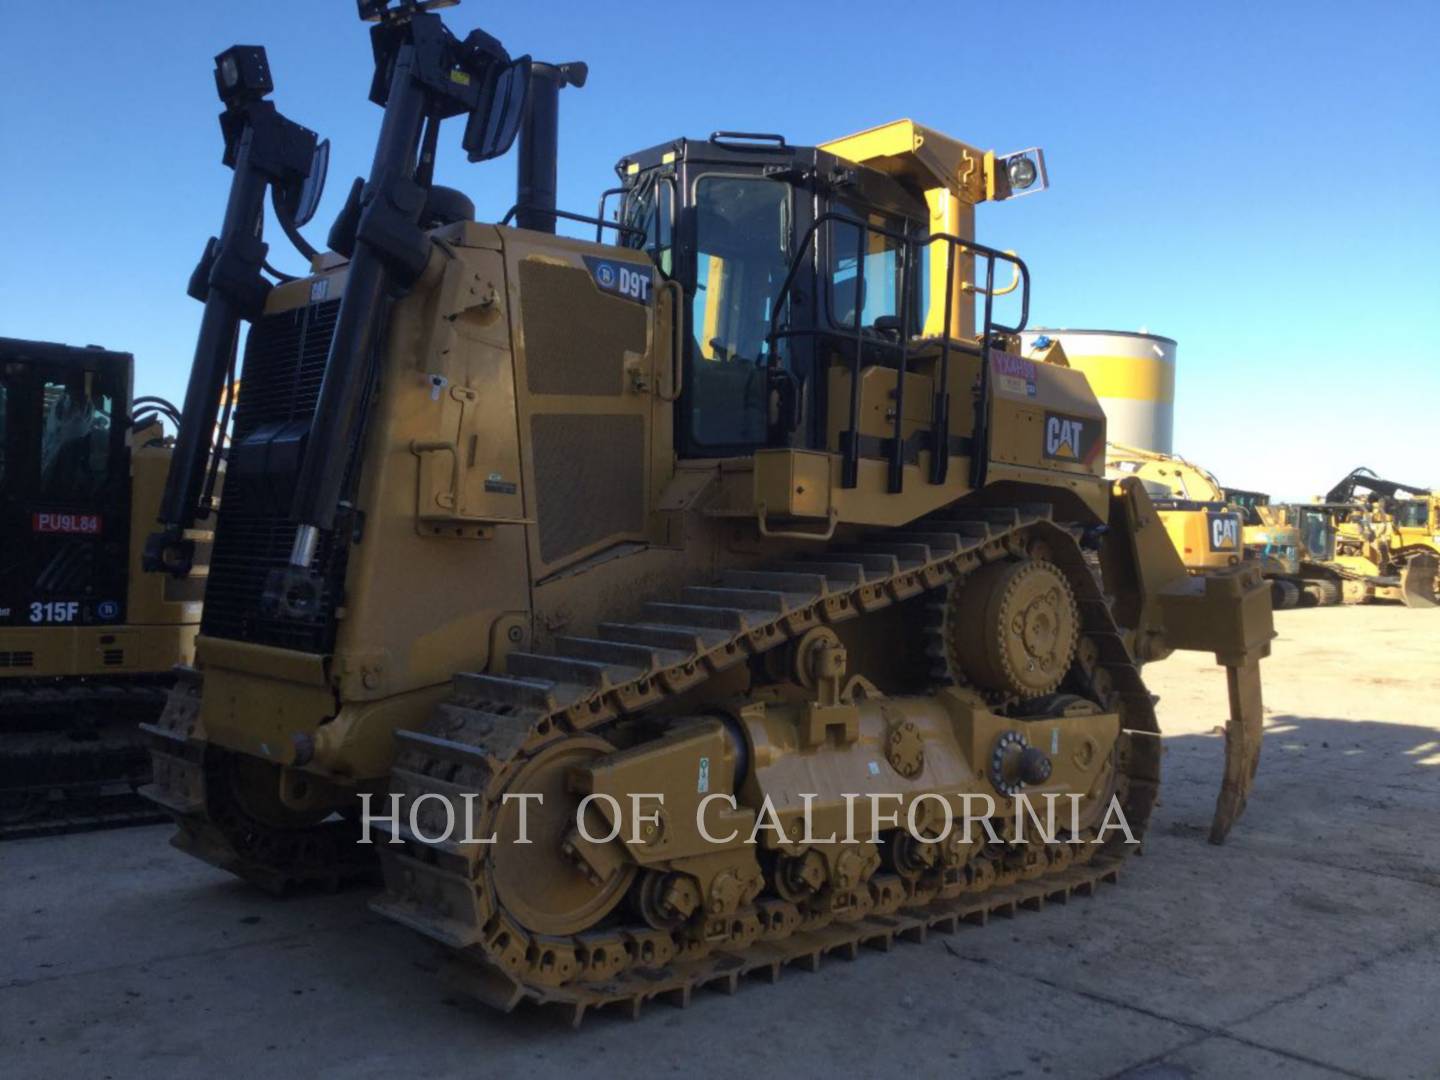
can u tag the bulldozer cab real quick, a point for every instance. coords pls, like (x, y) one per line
(1418, 516)
(64, 491)
(796, 261)
(1412, 513)
(727, 217)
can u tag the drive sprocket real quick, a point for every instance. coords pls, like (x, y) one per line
(1012, 628)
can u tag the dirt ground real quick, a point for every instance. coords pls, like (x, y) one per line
(1307, 946)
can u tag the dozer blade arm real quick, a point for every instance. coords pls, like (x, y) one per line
(1226, 612)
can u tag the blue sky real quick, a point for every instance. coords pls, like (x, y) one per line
(1257, 180)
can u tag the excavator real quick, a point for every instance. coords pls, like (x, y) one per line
(87, 641)
(741, 510)
(1214, 527)
(1279, 546)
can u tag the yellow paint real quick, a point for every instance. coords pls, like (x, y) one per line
(950, 216)
(667, 157)
(1140, 378)
(917, 155)
(714, 294)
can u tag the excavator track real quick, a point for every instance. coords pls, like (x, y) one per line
(480, 740)
(73, 757)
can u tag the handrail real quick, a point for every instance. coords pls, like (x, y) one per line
(940, 410)
(584, 219)
(967, 286)
(677, 340)
(741, 140)
(600, 213)
(989, 253)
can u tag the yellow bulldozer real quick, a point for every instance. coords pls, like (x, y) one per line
(1383, 544)
(570, 565)
(87, 641)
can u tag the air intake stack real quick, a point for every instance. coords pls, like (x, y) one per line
(535, 174)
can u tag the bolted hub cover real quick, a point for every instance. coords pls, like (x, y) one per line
(904, 745)
(1014, 627)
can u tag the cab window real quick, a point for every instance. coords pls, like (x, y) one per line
(1411, 514)
(1317, 534)
(651, 207)
(74, 437)
(742, 233)
(884, 264)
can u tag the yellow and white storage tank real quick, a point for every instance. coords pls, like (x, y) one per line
(1133, 375)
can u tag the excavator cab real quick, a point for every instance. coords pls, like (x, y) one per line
(86, 640)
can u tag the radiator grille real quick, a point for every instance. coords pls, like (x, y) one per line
(285, 357)
(20, 659)
(590, 478)
(576, 336)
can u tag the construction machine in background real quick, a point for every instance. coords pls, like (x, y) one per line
(87, 642)
(1213, 527)
(1278, 547)
(1385, 543)
(752, 495)
(1203, 526)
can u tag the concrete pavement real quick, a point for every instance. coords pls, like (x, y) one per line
(1308, 946)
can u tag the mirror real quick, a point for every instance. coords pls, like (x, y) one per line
(296, 202)
(495, 120)
(307, 199)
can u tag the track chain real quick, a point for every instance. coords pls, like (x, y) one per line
(72, 756)
(494, 723)
(188, 784)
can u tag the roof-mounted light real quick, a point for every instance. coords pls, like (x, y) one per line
(1022, 173)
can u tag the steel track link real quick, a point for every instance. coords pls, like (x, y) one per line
(58, 776)
(211, 827)
(493, 724)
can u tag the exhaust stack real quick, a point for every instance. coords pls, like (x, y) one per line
(535, 173)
